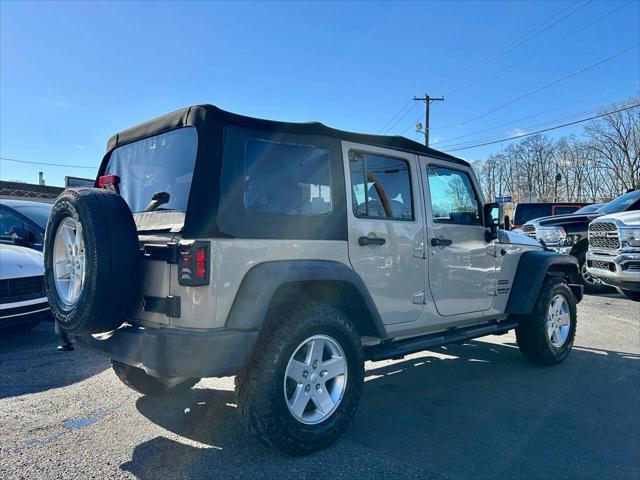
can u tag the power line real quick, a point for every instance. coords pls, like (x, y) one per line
(544, 112)
(552, 44)
(522, 40)
(550, 84)
(46, 163)
(525, 38)
(402, 117)
(394, 117)
(546, 129)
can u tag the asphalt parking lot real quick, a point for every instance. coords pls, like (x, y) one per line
(470, 411)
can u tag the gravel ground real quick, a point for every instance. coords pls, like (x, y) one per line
(474, 411)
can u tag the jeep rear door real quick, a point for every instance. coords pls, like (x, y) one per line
(461, 264)
(386, 230)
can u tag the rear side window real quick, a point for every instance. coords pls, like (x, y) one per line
(565, 210)
(380, 187)
(453, 199)
(531, 211)
(284, 178)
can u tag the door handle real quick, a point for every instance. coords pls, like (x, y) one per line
(441, 242)
(362, 241)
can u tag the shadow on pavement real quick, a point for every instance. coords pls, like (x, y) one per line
(30, 363)
(479, 411)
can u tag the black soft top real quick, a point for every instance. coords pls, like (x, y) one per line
(202, 115)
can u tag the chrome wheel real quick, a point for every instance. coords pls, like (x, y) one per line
(315, 379)
(558, 321)
(586, 276)
(68, 261)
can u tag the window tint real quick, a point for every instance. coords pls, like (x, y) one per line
(287, 178)
(453, 199)
(162, 163)
(565, 210)
(530, 211)
(386, 193)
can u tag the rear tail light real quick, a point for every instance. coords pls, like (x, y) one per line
(109, 182)
(194, 264)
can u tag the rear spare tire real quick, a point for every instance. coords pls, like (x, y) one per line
(91, 260)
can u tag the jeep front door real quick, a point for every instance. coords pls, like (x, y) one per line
(386, 229)
(461, 265)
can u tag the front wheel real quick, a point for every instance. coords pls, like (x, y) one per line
(591, 285)
(304, 381)
(546, 335)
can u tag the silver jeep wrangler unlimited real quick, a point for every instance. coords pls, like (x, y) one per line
(287, 254)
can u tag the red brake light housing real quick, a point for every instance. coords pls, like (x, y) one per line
(109, 182)
(194, 263)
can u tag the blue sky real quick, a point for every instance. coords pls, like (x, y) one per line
(73, 74)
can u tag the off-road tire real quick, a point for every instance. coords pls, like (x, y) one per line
(630, 294)
(113, 274)
(531, 333)
(137, 379)
(261, 401)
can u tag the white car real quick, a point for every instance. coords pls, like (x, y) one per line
(23, 300)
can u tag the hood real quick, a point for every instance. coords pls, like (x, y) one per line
(631, 218)
(585, 218)
(514, 238)
(17, 262)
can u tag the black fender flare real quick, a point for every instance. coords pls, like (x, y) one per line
(533, 267)
(262, 282)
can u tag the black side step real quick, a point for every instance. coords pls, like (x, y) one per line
(400, 348)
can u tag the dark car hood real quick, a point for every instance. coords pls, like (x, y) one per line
(565, 219)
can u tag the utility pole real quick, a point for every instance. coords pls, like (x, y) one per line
(427, 103)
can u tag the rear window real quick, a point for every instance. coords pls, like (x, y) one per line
(285, 178)
(162, 163)
(565, 210)
(526, 212)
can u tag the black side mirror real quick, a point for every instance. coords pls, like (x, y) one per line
(507, 222)
(492, 214)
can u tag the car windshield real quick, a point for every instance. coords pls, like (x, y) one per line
(162, 164)
(590, 208)
(628, 201)
(37, 213)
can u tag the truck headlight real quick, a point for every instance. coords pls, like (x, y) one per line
(631, 236)
(551, 235)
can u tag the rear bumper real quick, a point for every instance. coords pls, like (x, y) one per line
(167, 352)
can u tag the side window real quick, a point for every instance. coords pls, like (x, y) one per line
(380, 187)
(453, 199)
(7, 223)
(287, 178)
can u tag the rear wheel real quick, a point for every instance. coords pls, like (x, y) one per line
(546, 335)
(137, 379)
(630, 294)
(304, 382)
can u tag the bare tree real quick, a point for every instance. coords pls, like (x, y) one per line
(615, 145)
